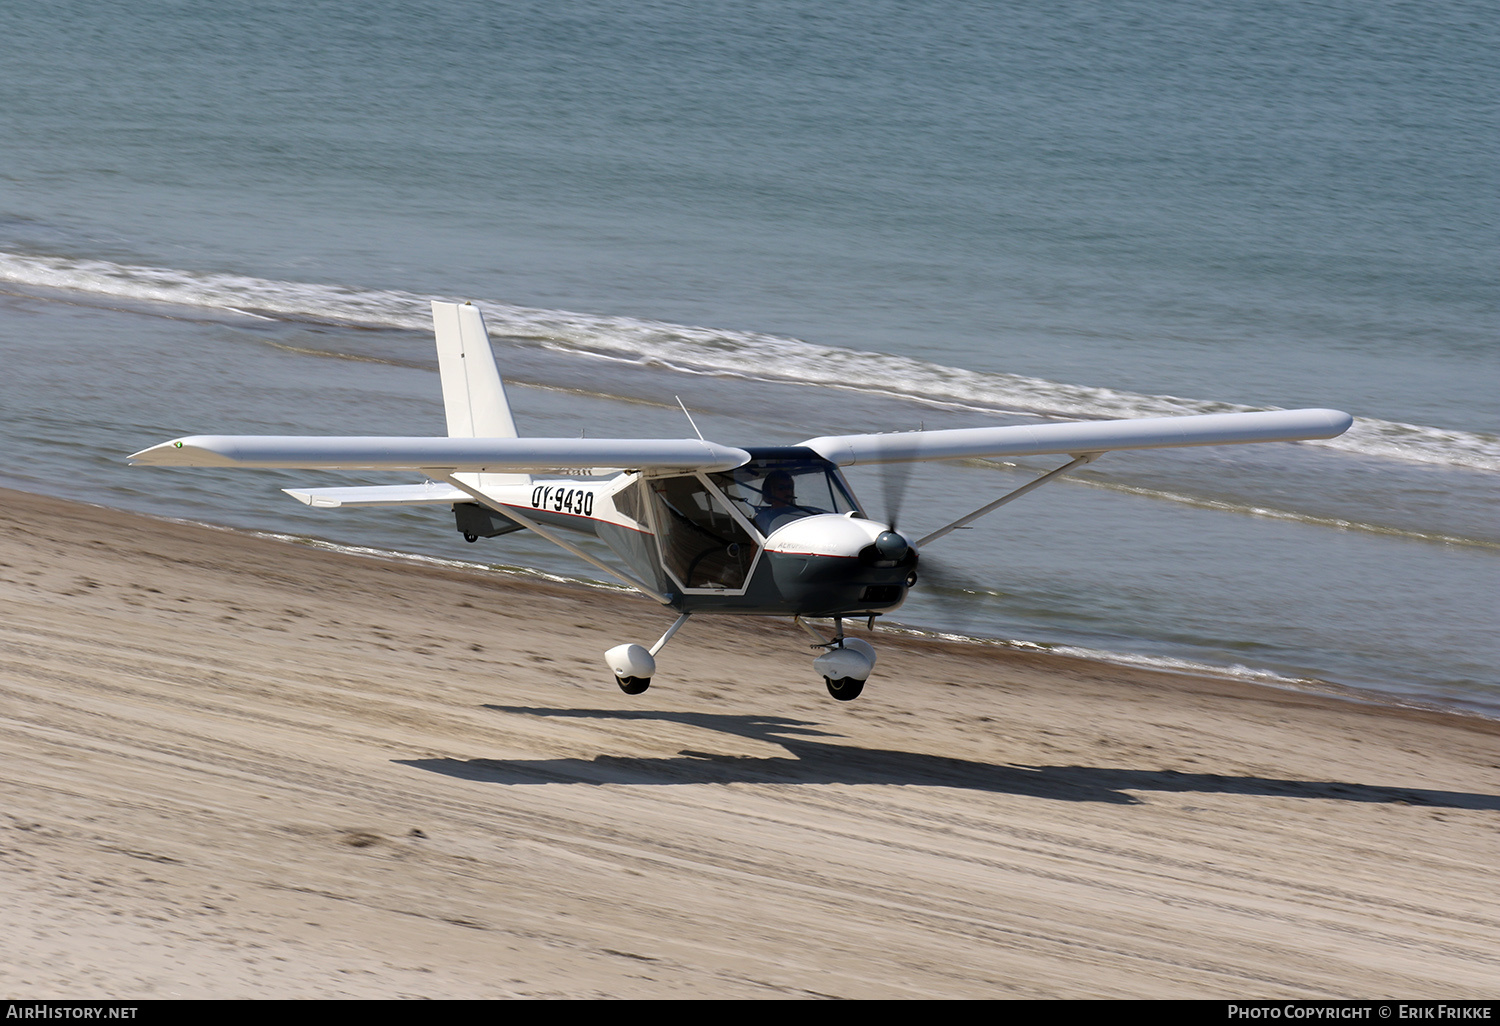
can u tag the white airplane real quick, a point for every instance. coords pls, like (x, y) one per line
(700, 527)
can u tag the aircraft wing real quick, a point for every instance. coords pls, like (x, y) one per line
(470, 455)
(1082, 437)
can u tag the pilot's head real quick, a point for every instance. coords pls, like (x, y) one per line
(778, 488)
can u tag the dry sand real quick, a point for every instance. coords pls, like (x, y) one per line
(235, 767)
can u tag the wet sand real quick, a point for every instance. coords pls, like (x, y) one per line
(236, 767)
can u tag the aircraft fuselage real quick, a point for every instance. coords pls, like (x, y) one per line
(781, 536)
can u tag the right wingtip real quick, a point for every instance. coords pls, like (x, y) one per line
(1338, 422)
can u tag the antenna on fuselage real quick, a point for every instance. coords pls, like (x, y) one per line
(689, 416)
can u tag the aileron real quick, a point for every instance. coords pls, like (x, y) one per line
(503, 455)
(1082, 437)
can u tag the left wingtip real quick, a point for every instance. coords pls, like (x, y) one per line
(179, 452)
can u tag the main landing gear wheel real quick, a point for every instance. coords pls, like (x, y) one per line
(633, 685)
(845, 689)
(632, 666)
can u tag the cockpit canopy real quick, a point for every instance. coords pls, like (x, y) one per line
(775, 488)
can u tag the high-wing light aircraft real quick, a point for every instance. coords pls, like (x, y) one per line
(700, 527)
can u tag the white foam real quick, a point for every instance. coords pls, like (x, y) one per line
(1469, 706)
(697, 349)
(1167, 664)
(1269, 513)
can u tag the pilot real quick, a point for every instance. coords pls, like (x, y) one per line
(781, 503)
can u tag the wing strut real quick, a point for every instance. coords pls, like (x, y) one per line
(1078, 461)
(510, 511)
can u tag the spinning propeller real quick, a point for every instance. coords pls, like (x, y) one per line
(944, 585)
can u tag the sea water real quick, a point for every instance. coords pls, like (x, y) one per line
(807, 219)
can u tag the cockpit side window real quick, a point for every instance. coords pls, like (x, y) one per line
(702, 545)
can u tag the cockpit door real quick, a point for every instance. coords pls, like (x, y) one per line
(705, 546)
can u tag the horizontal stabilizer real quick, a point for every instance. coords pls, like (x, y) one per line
(1082, 436)
(474, 455)
(380, 495)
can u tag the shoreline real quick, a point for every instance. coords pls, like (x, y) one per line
(1168, 665)
(893, 630)
(242, 768)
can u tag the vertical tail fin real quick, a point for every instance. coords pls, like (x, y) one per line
(473, 394)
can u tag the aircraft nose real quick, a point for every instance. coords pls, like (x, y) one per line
(839, 535)
(892, 546)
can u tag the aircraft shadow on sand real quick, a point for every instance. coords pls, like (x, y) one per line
(811, 761)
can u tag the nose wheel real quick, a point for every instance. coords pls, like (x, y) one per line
(845, 664)
(845, 689)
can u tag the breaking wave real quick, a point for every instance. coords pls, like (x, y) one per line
(708, 350)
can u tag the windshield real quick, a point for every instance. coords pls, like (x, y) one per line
(774, 492)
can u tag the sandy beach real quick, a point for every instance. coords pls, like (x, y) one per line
(237, 767)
